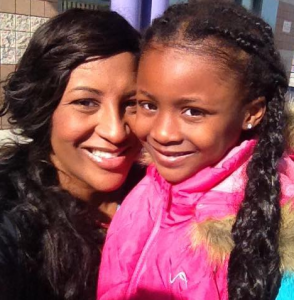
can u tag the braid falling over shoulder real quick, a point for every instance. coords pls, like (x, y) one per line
(242, 44)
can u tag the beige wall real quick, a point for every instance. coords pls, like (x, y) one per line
(285, 40)
(42, 8)
(18, 21)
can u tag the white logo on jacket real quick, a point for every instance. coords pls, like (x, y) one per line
(181, 276)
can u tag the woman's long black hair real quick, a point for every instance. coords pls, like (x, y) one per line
(243, 45)
(58, 235)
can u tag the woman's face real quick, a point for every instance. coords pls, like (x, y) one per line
(93, 147)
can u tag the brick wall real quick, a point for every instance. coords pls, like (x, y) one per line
(18, 21)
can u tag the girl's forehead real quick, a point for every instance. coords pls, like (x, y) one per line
(177, 74)
(171, 61)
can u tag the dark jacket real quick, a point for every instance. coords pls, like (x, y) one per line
(33, 207)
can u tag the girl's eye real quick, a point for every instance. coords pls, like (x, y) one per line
(193, 112)
(148, 106)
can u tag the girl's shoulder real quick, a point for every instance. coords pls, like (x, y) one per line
(286, 239)
(286, 174)
(286, 291)
(142, 202)
(286, 243)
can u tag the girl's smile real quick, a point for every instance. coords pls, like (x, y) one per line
(168, 158)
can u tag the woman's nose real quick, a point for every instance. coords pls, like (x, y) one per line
(112, 127)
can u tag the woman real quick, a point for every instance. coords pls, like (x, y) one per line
(72, 98)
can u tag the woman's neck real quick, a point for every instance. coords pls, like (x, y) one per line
(106, 202)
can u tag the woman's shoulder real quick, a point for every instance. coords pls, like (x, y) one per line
(10, 271)
(8, 232)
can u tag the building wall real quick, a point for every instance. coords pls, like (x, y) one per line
(18, 21)
(284, 33)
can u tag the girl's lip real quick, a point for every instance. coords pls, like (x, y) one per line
(170, 159)
(108, 163)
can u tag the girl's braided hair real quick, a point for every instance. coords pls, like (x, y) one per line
(243, 45)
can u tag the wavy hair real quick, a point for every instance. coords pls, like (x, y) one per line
(59, 237)
(242, 44)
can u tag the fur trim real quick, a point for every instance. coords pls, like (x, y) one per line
(286, 243)
(145, 158)
(290, 125)
(215, 235)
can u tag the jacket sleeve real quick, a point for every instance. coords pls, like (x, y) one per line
(9, 270)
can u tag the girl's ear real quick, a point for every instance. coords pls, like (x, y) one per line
(254, 112)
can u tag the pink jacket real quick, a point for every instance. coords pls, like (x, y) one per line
(173, 241)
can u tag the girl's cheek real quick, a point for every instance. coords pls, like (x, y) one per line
(141, 127)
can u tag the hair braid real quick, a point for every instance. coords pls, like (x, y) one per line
(254, 261)
(263, 27)
(254, 45)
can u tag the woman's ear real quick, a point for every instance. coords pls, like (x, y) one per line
(254, 112)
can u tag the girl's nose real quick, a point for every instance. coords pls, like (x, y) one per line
(166, 130)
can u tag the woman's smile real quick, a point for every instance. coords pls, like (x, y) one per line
(93, 145)
(108, 159)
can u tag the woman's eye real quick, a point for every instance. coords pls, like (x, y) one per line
(86, 103)
(148, 106)
(193, 112)
(130, 106)
(130, 103)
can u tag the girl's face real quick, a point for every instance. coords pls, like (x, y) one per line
(188, 116)
(93, 146)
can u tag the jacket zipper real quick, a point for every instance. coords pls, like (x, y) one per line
(137, 275)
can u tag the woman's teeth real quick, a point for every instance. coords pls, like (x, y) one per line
(106, 155)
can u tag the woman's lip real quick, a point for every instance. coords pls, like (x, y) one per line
(108, 163)
(170, 159)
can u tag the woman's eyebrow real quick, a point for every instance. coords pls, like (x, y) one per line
(87, 89)
(130, 93)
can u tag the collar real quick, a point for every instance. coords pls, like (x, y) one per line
(180, 200)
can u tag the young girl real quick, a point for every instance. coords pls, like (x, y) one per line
(214, 217)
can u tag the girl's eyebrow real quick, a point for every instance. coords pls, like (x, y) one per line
(190, 100)
(147, 95)
(181, 101)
